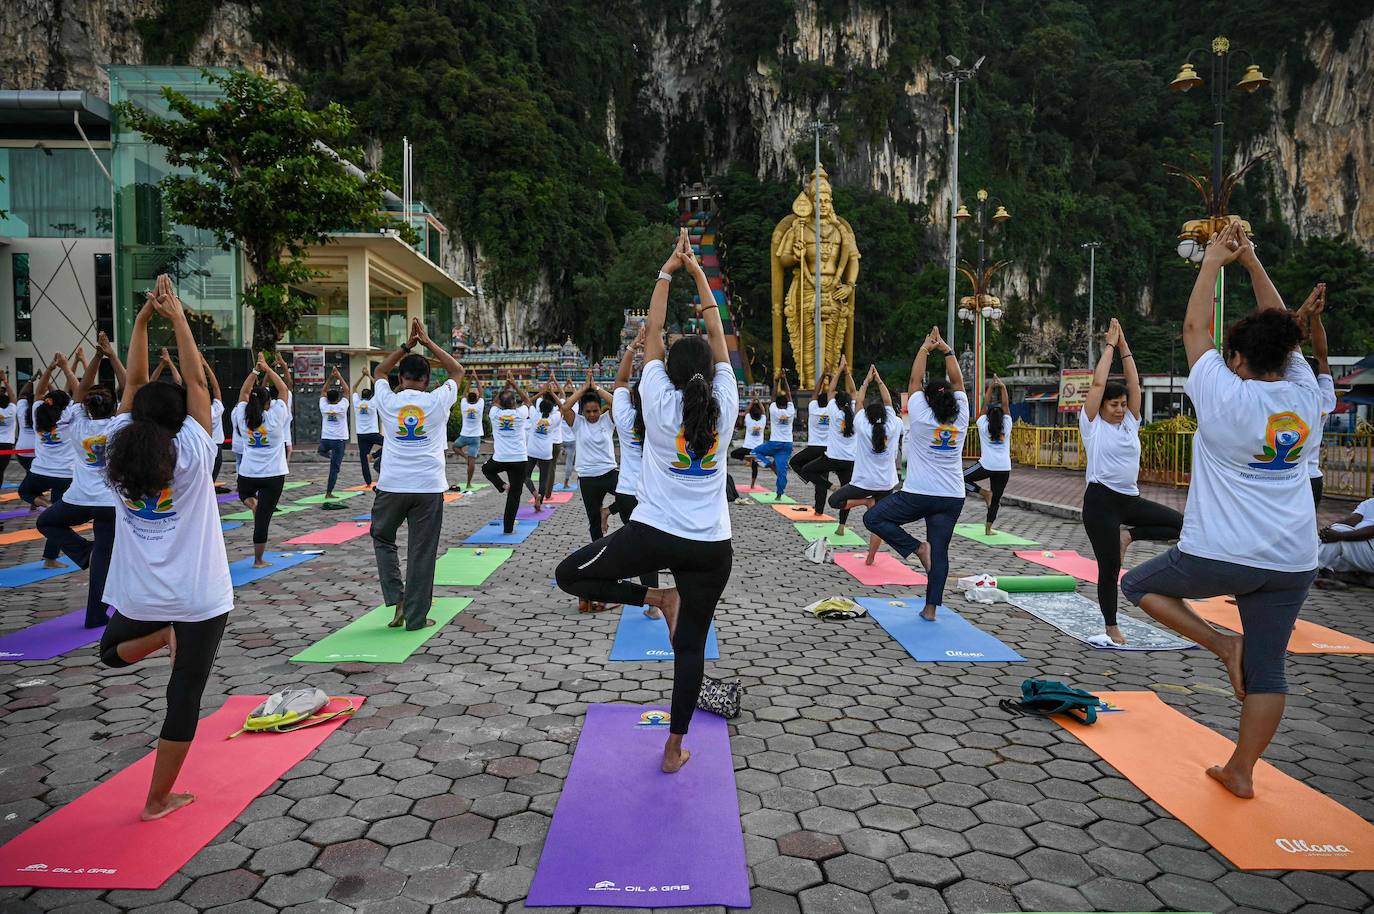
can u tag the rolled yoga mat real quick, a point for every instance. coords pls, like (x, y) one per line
(949, 639)
(493, 534)
(469, 567)
(32, 572)
(1307, 637)
(1285, 826)
(1064, 561)
(637, 637)
(1036, 583)
(886, 569)
(332, 536)
(369, 640)
(1080, 618)
(813, 532)
(242, 572)
(97, 840)
(49, 638)
(627, 835)
(998, 538)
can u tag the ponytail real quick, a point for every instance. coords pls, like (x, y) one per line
(996, 422)
(689, 369)
(48, 414)
(876, 412)
(639, 413)
(845, 401)
(142, 457)
(257, 402)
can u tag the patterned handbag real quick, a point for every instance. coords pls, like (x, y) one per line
(720, 696)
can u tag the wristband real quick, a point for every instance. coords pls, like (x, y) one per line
(948, 352)
(666, 277)
(1127, 356)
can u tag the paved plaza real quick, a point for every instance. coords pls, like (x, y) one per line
(867, 782)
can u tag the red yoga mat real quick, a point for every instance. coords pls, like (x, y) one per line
(886, 569)
(97, 841)
(333, 536)
(1065, 561)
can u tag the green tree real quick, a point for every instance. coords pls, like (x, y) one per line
(628, 282)
(262, 171)
(1348, 271)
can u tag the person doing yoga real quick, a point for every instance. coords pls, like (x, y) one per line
(1249, 528)
(334, 426)
(1114, 513)
(158, 460)
(365, 423)
(755, 421)
(934, 486)
(469, 441)
(540, 435)
(682, 522)
(1310, 320)
(875, 455)
(839, 452)
(9, 424)
(262, 466)
(594, 438)
(817, 425)
(994, 449)
(627, 411)
(510, 415)
(50, 472)
(777, 450)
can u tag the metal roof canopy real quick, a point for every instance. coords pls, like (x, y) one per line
(24, 112)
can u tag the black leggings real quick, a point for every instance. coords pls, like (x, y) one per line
(847, 493)
(1105, 512)
(997, 480)
(35, 484)
(515, 478)
(366, 443)
(5, 456)
(1317, 482)
(197, 643)
(595, 491)
(742, 453)
(219, 463)
(818, 471)
(267, 490)
(625, 506)
(805, 456)
(57, 523)
(545, 465)
(700, 571)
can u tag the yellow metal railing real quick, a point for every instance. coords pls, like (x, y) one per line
(1348, 463)
(1047, 446)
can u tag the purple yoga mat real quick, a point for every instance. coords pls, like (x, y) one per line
(49, 638)
(527, 512)
(227, 496)
(627, 835)
(11, 515)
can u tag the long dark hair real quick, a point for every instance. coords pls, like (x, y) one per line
(99, 402)
(755, 410)
(940, 399)
(506, 399)
(26, 414)
(333, 394)
(258, 398)
(142, 456)
(689, 369)
(49, 411)
(638, 404)
(546, 404)
(845, 402)
(876, 412)
(996, 420)
(1264, 339)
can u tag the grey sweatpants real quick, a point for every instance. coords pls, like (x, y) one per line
(423, 514)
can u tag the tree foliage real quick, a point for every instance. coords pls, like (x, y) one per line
(601, 299)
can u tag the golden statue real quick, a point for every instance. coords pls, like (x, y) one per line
(794, 248)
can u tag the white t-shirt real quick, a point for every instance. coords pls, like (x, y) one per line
(27, 439)
(841, 446)
(631, 445)
(414, 424)
(818, 423)
(781, 421)
(507, 434)
(364, 416)
(934, 450)
(543, 433)
(567, 430)
(160, 542)
(263, 455)
(472, 418)
(290, 417)
(52, 453)
(995, 455)
(1366, 511)
(236, 433)
(1312, 454)
(89, 436)
(1248, 499)
(9, 424)
(875, 471)
(753, 430)
(217, 422)
(1113, 451)
(333, 420)
(595, 445)
(682, 493)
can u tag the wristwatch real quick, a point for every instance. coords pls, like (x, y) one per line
(668, 277)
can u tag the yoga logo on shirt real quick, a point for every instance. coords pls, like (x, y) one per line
(159, 508)
(688, 465)
(52, 437)
(823, 420)
(653, 720)
(944, 438)
(505, 423)
(93, 450)
(784, 418)
(410, 424)
(257, 437)
(542, 427)
(1285, 434)
(363, 407)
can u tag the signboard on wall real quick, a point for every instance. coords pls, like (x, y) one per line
(308, 364)
(1073, 388)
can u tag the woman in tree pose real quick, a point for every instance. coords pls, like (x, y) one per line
(469, 441)
(509, 454)
(158, 463)
(593, 432)
(934, 486)
(682, 522)
(875, 455)
(777, 450)
(1114, 513)
(544, 424)
(1250, 527)
(817, 425)
(50, 472)
(755, 421)
(994, 448)
(365, 423)
(627, 411)
(262, 466)
(334, 426)
(839, 452)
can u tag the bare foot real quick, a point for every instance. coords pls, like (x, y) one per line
(1240, 785)
(538, 504)
(667, 600)
(652, 612)
(170, 804)
(1125, 544)
(986, 495)
(1114, 632)
(251, 504)
(260, 563)
(330, 495)
(53, 563)
(1229, 649)
(988, 531)
(674, 759)
(397, 620)
(839, 531)
(172, 644)
(928, 613)
(923, 554)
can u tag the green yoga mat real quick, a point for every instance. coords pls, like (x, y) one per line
(812, 532)
(469, 567)
(1036, 583)
(767, 498)
(321, 500)
(368, 639)
(998, 538)
(299, 484)
(248, 515)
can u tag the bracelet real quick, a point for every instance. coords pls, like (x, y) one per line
(1127, 356)
(666, 277)
(948, 352)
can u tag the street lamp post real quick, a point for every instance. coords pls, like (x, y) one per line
(818, 127)
(1091, 247)
(956, 75)
(981, 307)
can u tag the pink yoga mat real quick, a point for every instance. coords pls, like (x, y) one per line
(333, 536)
(1065, 561)
(886, 569)
(559, 498)
(97, 841)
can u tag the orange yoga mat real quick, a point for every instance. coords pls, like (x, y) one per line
(1287, 826)
(801, 513)
(1308, 637)
(26, 536)
(8, 496)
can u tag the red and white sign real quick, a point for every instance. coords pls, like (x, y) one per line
(1073, 388)
(307, 364)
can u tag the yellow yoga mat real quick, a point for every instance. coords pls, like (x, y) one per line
(1286, 826)
(1307, 638)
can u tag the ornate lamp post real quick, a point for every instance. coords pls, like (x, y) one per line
(1217, 188)
(981, 307)
(956, 75)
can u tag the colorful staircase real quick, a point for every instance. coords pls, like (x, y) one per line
(701, 229)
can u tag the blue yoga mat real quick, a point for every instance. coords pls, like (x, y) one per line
(562, 488)
(493, 534)
(637, 637)
(363, 517)
(242, 572)
(226, 525)
(32, 572)
(949, 639)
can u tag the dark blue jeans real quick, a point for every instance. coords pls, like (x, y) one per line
(334, 450)
(888, 517)
(56, 525)
(775, 455)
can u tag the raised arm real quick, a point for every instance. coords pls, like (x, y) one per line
(5, 384)
(707, 310)
(566, 407)
(1197, 323)
(953, 373)
(882, 388)
(215, 392)
(440, 353)
(627, 361)
(849, 382)
(658, 306)
(1266, 295)
(44, 382)
(138, 355)
(1002, 389)
(105, 347)
(259, 369)
(1092, 402)
(389, 363)
(918, 366)
(197, 390)
(90, 376)
(1128, 368)
(1318, 333)
(834, 379)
